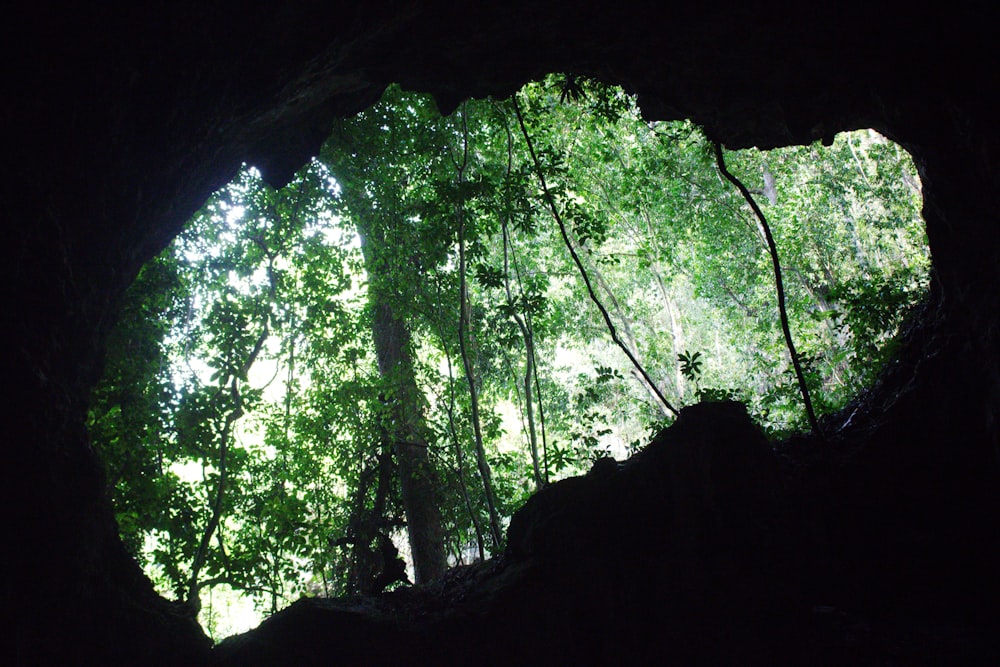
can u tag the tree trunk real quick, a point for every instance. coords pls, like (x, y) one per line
(470, 376)
(460, 457)
(464, 324)
(405, 425)
(404, 422)
(529, 364)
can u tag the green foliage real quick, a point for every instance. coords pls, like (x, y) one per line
(687, 266)
(243, 359)
(129, 411)
(690, 365)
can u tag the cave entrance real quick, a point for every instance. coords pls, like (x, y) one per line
(250, 420)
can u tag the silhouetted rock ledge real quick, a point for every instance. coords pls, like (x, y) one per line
(684, 553)
(678, 531)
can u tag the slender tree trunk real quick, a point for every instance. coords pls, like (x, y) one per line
(470, 376)
(376, 202)
(225, 430)
(676, 330)
(460, 457)
(464, 323)
(367, 527)
(193, 601)
(529, 366)
(524, 324)
(672, 316)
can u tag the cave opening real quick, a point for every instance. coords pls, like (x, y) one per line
(122, 124)
(247, 346)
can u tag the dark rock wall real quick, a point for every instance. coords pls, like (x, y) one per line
(119, 122)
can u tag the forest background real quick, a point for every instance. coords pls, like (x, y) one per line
(353, 381)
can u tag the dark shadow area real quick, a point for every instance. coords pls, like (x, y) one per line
(878, 546)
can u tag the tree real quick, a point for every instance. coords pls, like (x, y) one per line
(281, 399)
(368, 157)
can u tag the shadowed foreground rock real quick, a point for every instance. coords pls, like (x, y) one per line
(687, 553)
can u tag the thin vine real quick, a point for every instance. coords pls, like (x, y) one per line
(579, 264)
(778, 284)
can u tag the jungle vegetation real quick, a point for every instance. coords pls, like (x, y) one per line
(353, 381)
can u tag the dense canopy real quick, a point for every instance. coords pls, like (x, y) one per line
(398, 342)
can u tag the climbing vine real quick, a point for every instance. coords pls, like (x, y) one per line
(281, 412)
